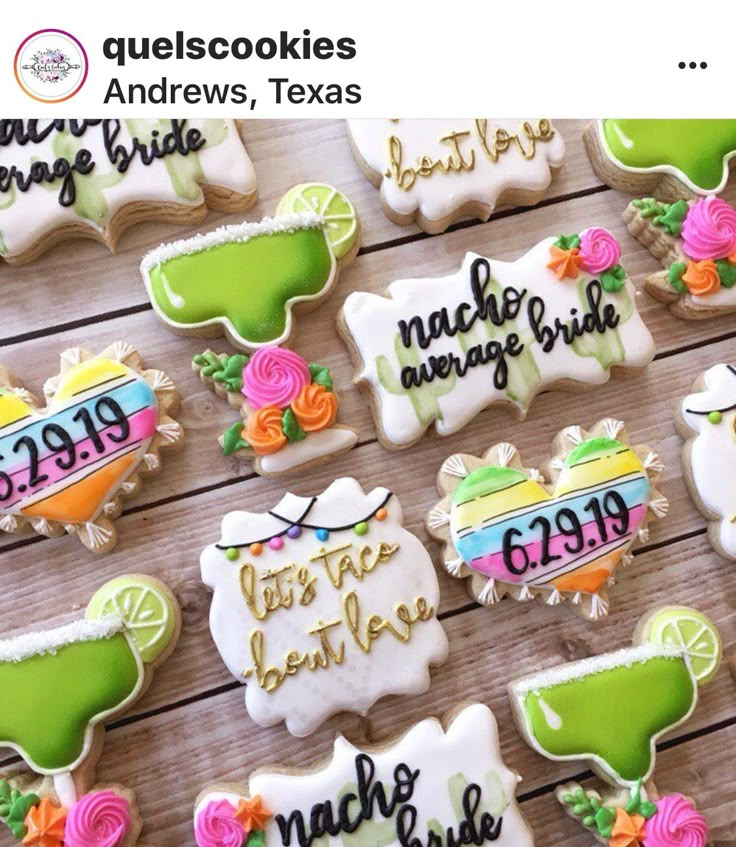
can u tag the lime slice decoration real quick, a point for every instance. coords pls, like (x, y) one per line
(341, 219)
(691, 632)
(144, 608)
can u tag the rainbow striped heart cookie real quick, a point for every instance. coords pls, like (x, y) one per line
(66, 467)
(510, 532)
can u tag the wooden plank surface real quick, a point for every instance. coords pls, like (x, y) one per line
(191, 727)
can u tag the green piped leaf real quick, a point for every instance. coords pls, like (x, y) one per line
(613, 279)
(231, 374)
(568, 242)
(674, 277)
(647, 809)
(17, 815)
(648, 207)
(290, 425)
(321, 375)
(672, 219)
(726, 273)
(256, 838)
(232, 439)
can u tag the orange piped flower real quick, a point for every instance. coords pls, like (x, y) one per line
(315, 407)
(702, 277)
(628, 830)
(565, 263)
(45, 824)
(264, 432)
(252, 814)
(732, 257)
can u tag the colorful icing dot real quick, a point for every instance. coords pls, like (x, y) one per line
(276, 543)
(231, 554)
(256, 549)
(360, 528)
(381, 515)
(322, 534)
(715, 417)
(294, 531)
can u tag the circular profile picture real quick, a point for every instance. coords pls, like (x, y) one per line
(51, 65)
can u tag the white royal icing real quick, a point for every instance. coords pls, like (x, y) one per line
(306, 698)
(440, 194)
(373, 324)
(26, 216)
(467, 752)
(315, 446)
(713, 450)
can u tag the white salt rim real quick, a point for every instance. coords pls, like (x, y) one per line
(596, 664)
(231, 233)
(50, 640)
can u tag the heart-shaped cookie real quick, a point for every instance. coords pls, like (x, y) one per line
(66, 466)
(512, 534)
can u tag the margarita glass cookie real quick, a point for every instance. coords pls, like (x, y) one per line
(669, 159)
(288, 408)
(436, 172)
(696, 244)
(323, 604)
(555, 535)
(65, 467)
(246, 281)
(609, 711)
(57, 690)
(433, 785)
(94, 178)
(707, 419)
(439, 351)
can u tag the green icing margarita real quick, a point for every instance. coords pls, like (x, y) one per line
(248, 282)
(612, 715)
(48, 700)
(698, 149)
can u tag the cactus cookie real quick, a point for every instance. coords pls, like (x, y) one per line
(247, 281)
(61, 179)
(434, 785)
(57, 690)
(610, 711)
(439, 351)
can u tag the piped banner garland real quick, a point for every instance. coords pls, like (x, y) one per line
(432, 786)
(246, 280)
(85, 176)
(319, 601)
(288, 408)
(57, 689)
(439, 351)
(511, 533)
(696, 243)
(610, 710)
(66, 467)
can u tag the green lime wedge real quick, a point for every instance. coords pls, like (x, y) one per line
(691, 632)
(144, 607)
(341, 219)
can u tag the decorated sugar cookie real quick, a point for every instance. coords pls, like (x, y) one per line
(94, 178)
(436, 172)
(554, 536)
(58, 688)
(288, 408)
(323, 604)
(696, 243)
(707, 419)
(439, 351)
(247, 281)
(669, 159)
(431, 786)
(66, 467)
(610, 711)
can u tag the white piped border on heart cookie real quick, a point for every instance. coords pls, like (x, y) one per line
(66, 467)
(555, 535)
(436, 172)
(707, 419)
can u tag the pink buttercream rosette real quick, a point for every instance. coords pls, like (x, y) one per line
(274, 376)
(599, 250)
(676, 823)
(709, 230)
(217, 826)
(98, 819)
